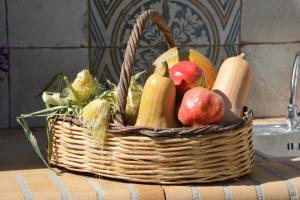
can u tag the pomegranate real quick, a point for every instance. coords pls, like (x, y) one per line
(186, 75)
(200, 106)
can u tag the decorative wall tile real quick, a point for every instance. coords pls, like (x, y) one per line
(272, 67)
(32, 69)
(2, 23)
(192, 22)
(111, 25)
(204, 22)
(106, 62)
(101, 65)
(44, 23)
(144, 57)
(270, 21)
(151, 34)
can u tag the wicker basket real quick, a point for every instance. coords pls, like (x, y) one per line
(142, 154)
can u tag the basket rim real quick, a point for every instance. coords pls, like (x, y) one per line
(115, 128)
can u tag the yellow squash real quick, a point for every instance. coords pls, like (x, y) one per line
(157, 106)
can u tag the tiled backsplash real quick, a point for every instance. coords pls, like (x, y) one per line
(46, 37)
(210, 26)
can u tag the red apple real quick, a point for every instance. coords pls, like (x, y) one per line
(200, 106)
(186, 75)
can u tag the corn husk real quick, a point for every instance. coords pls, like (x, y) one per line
(50, 98)
(95, 116)
(133, 99)
(53, 99)
(83, 88)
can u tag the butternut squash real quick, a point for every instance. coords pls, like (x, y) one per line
(157, 106)
(232, 83)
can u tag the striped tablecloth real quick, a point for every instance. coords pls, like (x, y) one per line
(270, 179)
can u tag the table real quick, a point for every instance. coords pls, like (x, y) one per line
(23, 176)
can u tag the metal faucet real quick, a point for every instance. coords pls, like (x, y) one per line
(293, 119)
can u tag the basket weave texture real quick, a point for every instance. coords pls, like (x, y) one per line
(143, 154)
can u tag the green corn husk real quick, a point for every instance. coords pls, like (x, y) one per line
(133, 99)
(72, 101)
(83, 88)
(53, 99)
(95, 116)
(50, 98)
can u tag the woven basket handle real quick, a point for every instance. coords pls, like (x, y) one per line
(131, 48)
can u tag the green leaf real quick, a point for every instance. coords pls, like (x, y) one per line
(57, 77)
(32, 140)
(48, 112)
(44, 113)
(138, 75)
